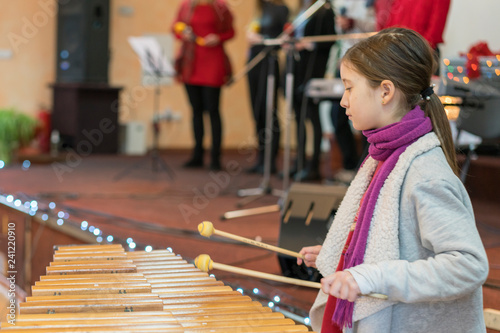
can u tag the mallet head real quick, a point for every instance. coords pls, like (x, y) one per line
(206, 228)
(203, 262)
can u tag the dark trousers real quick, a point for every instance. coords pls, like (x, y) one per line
(312, 113)
(345, 138)
(202, 99)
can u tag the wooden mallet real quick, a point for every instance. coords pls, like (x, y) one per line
(207, 229)
(205, 263)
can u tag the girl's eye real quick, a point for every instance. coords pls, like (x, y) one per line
(348, 88)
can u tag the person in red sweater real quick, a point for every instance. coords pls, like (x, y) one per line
(427, 17)
(203, 66)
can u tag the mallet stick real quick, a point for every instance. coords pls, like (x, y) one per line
(205, 263)
(207, 229)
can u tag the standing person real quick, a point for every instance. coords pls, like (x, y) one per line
(354, 17)
(271, 19)
(406, 226)
(313, 58)
(203, 66)
(427, 17)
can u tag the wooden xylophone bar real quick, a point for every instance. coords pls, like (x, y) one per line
(103, 288)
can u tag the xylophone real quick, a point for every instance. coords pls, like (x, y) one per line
(103, 288)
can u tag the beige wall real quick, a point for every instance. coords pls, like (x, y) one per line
(28, 29)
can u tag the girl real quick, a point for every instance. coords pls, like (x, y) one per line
(406, 227)
(203, 66)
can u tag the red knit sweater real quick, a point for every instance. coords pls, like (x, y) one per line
(427, 17)
(206, 65)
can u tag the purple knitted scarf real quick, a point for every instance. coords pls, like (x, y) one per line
(386, 144)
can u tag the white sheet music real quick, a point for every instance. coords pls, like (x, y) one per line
(152, 57)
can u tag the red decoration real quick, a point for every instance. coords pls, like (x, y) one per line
(479, 49)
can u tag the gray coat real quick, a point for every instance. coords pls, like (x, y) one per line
(423, 250)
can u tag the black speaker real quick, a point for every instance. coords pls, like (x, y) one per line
(82, 41)
(309, 210)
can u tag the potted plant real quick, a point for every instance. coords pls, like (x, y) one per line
(16, 130)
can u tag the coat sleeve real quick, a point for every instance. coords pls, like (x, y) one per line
(327, 28)
(227, 29)
(450, 261)
(179, 18)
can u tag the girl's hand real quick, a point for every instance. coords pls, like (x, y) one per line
(310, 253)
(341, 285)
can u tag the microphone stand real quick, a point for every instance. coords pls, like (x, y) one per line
(286, 166)
(265, 188)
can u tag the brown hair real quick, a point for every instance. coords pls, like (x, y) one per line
(404, 57)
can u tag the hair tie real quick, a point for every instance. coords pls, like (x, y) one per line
(427, 92)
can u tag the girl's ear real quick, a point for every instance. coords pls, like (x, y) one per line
(388, 90)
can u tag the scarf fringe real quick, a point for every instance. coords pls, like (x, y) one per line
(343, 317)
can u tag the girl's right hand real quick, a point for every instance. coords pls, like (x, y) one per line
(310, 254)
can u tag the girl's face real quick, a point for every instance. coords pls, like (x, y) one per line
(363, 103)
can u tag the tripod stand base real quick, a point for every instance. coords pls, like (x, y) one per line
(251, 211)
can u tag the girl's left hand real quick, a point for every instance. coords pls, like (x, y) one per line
(341, 285)
(211, 40)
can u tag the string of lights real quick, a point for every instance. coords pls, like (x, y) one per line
(55, 216)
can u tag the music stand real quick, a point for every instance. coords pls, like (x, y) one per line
(155, 64)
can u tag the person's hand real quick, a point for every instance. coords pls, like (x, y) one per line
(345, 23)
(299, 46)
(254, 38)
(187, 34)
(341, 285)
(211, 40)
(310, 254)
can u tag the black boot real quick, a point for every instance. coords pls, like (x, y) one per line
(215, 164)
(196, 161)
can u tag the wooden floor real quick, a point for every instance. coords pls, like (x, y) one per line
(123, 196)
